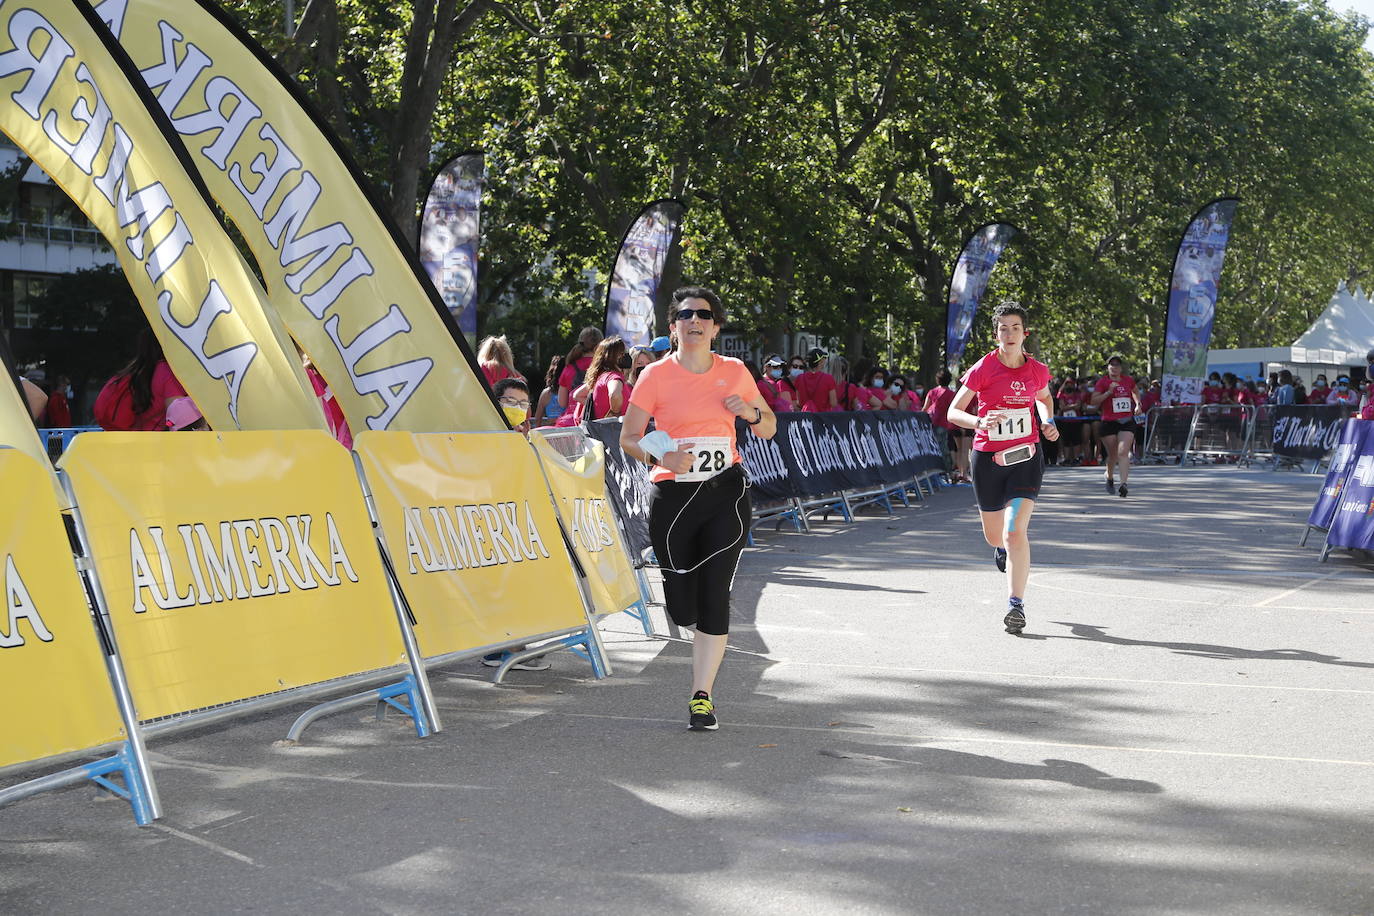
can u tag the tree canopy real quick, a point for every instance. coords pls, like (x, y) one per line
(834, 154)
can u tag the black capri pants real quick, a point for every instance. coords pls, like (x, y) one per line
(700, 528)
(994, 486)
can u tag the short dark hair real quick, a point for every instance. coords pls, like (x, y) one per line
(944, 377)
(1010, 308)
(506, 384)
(1285, 377)
(700, 292)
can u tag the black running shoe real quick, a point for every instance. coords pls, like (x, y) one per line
(1122, 491)
(999, 556)
(1015, 621)
(1111, 487)
(703, 713)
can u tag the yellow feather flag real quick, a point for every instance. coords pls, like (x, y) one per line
(348, 287)
(68, 100)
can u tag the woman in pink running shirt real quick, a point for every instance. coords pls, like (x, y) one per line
(1115, 395)
(1014, 411)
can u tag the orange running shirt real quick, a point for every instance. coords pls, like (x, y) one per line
(686, 405)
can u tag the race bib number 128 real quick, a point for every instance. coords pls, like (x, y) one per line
(711, 456)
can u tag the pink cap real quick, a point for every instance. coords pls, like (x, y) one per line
(181, 413)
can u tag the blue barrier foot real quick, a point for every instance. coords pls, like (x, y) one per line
(409, 689)
(132, 791)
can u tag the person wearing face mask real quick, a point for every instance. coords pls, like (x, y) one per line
(905, 400)
(605, 379)
(873, 393)
(1320, 389)
(775, 395)
(1344, 394)
(875, 386)
(817, 391)
(1367, 410)
(513, 397)
(1213, 393)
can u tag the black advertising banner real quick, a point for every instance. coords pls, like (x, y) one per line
(811, 455)
(814, 454)
(1307, 431)
(627, 483)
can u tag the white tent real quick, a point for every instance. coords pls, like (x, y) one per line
(1336, 342)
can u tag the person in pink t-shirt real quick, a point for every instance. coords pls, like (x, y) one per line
(937, 404)
(605, 381)
(777, 394)
(496, 360)
(1015, 410)
(816, 389)
(875, 386)
(575, 365)
(1115, 395)
(699, 512)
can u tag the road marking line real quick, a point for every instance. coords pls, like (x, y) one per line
(1297, 589)
(963, 672)
(1067, 677)
(1039, 580)
(201, 841)
(965, 739)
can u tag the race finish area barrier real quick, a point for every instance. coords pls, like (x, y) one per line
(1220, 432)
(1304, 432)
(1166, 434)
(57, 667)
(815, 462)
(575, 468)
(1344, 508)
(480, 556)
(239, 572)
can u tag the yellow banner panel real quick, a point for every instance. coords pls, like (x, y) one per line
(580, 489)
(234, 564)
(471, 531)
(52, 672)
(350, 291)
(65, 100)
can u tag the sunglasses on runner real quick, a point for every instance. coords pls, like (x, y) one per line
(703, 314)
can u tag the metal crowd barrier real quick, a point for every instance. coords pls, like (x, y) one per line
(1166, 434)
(1262, 437)
(572, 442)
(1220, 432)
(57, 439)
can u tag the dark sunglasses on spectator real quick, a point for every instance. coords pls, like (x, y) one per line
(703, 314)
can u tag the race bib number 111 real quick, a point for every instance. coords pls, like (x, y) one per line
(1015, 424)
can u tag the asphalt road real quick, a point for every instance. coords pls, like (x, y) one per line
(1183, 728)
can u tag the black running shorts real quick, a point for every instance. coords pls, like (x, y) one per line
(994, 486)
(1113, 427)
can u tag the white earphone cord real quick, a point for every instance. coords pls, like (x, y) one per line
(668, 538)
